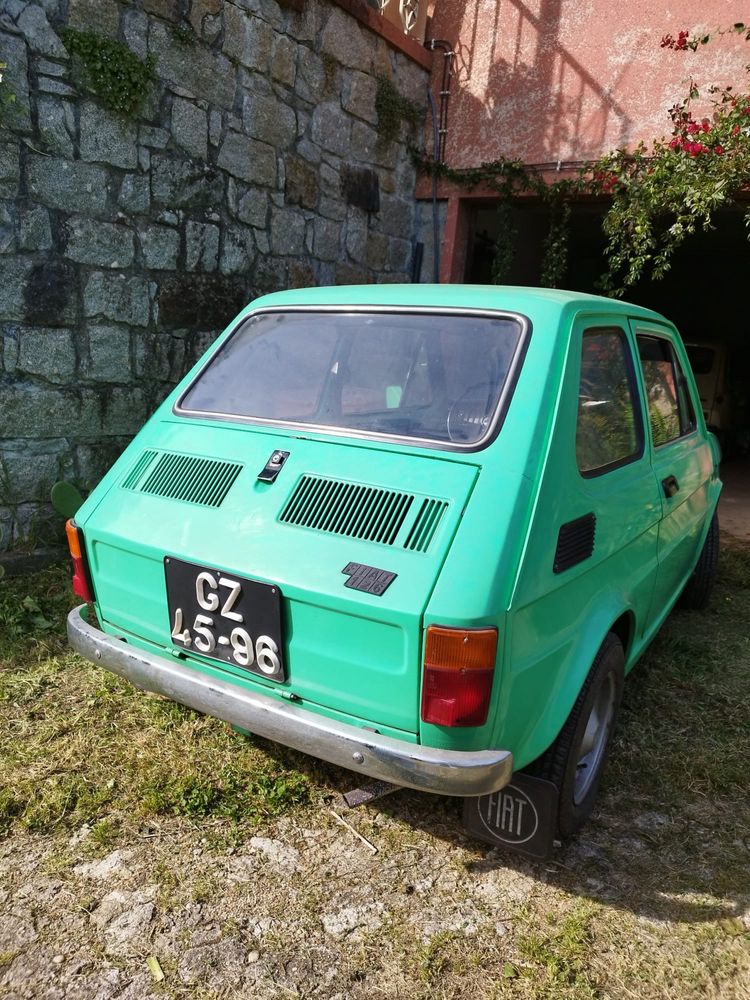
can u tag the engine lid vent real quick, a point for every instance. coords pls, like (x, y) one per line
(371, 513)
(204, 481)
(425, 524)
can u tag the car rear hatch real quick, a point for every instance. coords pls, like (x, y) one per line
(193, 495)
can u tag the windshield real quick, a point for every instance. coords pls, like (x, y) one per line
(434, 377)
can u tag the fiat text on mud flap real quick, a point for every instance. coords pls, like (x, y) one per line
(422, 532)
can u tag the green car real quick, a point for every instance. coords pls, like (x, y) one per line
(421, 532)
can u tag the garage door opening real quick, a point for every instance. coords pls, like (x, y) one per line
(704, 294)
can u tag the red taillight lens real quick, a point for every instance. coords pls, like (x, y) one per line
(459, 665)
(81, 586)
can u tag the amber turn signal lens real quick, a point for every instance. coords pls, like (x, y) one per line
(459, 666)
(81, 585)
(74, 543)
(460, 649)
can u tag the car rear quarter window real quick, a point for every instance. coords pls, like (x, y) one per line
(609, 432)
(670, 409)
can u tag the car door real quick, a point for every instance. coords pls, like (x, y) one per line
(681, 459)
(614, 463)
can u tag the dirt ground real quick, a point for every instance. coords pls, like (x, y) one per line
(149, 852)
(734, 506)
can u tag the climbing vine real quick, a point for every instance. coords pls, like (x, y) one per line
(6, 96)
(392, 109)
(509, 179)
(111, 70)
(661, 192)
(555, 258)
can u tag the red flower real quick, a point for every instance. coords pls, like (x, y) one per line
(680, 43)
(676, 143)
(736, 130)
(693, 128)
(719, 150)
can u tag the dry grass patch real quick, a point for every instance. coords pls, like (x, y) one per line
(134, 828)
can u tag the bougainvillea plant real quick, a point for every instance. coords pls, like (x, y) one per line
(667, 189)
(661, 192)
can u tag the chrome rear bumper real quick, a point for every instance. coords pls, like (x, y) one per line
(445, 772)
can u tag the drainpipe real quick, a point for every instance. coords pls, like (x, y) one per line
(445, 87)
(439, 133)
(435, 161)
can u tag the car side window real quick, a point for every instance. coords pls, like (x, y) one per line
(609, 432)
(670, 408)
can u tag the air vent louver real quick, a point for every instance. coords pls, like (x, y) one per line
(138, 469)
(370, 513)
(367, 512)
(575, 542)
(204, 481)
(426, 523)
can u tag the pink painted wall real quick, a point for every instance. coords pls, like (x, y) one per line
(548, 80)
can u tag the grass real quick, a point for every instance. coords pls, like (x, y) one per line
(650, 901)
(83, 746)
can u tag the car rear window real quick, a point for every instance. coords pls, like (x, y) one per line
(432, 377)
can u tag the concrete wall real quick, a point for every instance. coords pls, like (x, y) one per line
(548, 80)
(126, 246)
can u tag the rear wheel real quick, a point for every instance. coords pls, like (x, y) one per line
(698, 589)
(575, 761)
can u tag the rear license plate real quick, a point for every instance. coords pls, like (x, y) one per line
(225, 617)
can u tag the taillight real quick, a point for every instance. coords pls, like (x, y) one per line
(459, 665)
(81, 584)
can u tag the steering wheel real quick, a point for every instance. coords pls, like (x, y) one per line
(468, 417)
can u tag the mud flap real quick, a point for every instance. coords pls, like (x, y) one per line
(521, 817)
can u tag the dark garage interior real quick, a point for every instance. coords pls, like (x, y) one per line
(704, 294)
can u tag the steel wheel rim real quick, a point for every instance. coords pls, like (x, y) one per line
(594, 740)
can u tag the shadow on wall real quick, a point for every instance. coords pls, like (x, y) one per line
(518, 92)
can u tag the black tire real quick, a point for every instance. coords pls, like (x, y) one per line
(698, 589)
(562, 764)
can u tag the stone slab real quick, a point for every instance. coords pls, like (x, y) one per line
(117, 297)
(107, 138)
(99, 243)
(67, 185)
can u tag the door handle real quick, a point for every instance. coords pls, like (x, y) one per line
(670, 486)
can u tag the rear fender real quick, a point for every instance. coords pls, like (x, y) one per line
(552, 683)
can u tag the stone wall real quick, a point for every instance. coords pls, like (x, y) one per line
(127, 245)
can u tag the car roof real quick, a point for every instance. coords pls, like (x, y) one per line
(532, 302)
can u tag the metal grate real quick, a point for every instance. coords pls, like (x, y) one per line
(371, 513)
(425, 525)
(138, 469)
(204, 481)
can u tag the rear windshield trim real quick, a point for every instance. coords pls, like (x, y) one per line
(332, 430)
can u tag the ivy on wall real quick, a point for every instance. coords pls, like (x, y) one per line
(110, 70)
(392, 109)
(510, 179)
(6, 96)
